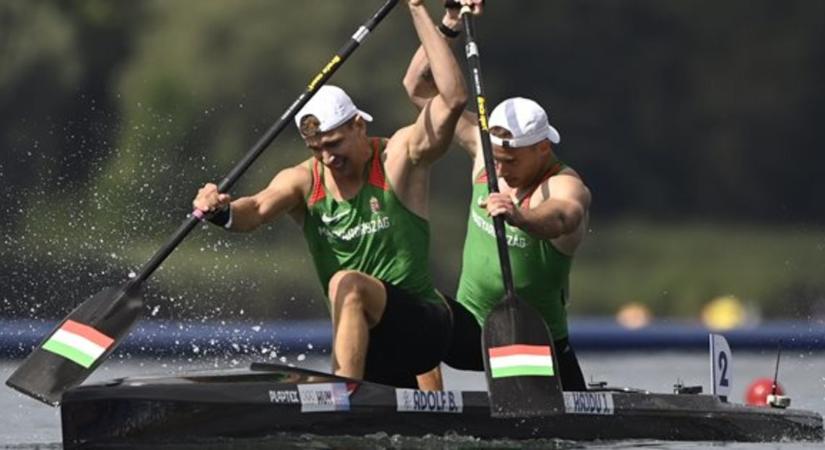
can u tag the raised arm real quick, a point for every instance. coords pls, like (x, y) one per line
(421, 88)
(429, 137)
(284, 194)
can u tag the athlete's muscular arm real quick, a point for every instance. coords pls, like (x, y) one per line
(429, 137)
(421, 88)
(284, 194)
(418, 81)
(560, 214)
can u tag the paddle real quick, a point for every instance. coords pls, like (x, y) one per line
(74, 349)
(519, 359)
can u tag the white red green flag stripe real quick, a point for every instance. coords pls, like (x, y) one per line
(521, 360)
(78, 342)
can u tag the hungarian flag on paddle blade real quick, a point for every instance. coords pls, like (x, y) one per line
(79, 343)
(522, 376)
(521, 360)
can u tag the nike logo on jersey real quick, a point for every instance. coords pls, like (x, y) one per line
(332, 219)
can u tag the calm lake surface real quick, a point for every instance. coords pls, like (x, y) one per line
(27, 424)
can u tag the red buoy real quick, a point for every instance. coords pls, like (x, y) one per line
(757, 392)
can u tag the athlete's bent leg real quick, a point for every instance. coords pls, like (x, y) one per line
(358, 302)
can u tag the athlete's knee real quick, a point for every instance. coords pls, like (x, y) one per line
(348, 288)
(354, 291)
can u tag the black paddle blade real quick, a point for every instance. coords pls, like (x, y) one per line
(520, 363)
(72, 351)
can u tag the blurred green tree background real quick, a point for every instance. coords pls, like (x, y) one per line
(696, 125)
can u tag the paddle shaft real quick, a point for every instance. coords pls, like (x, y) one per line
(474, 61)
(319, 80)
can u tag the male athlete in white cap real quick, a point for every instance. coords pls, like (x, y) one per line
(362, 204)
(544, 202)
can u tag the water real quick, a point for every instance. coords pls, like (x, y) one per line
(27, 424)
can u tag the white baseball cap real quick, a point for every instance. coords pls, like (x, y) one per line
(525, 120)
(332, 107)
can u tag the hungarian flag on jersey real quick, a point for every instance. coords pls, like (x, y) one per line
(78, 342)
(521, 360)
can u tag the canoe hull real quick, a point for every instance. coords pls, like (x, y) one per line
(267, 400)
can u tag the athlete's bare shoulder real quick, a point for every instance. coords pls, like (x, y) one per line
(565, 185)
(397, 145)
(297, 177)
(397, 157)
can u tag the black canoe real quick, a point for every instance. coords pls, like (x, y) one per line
(268, 400)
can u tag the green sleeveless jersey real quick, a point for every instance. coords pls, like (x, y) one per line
(540, 272)
(373, 233)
